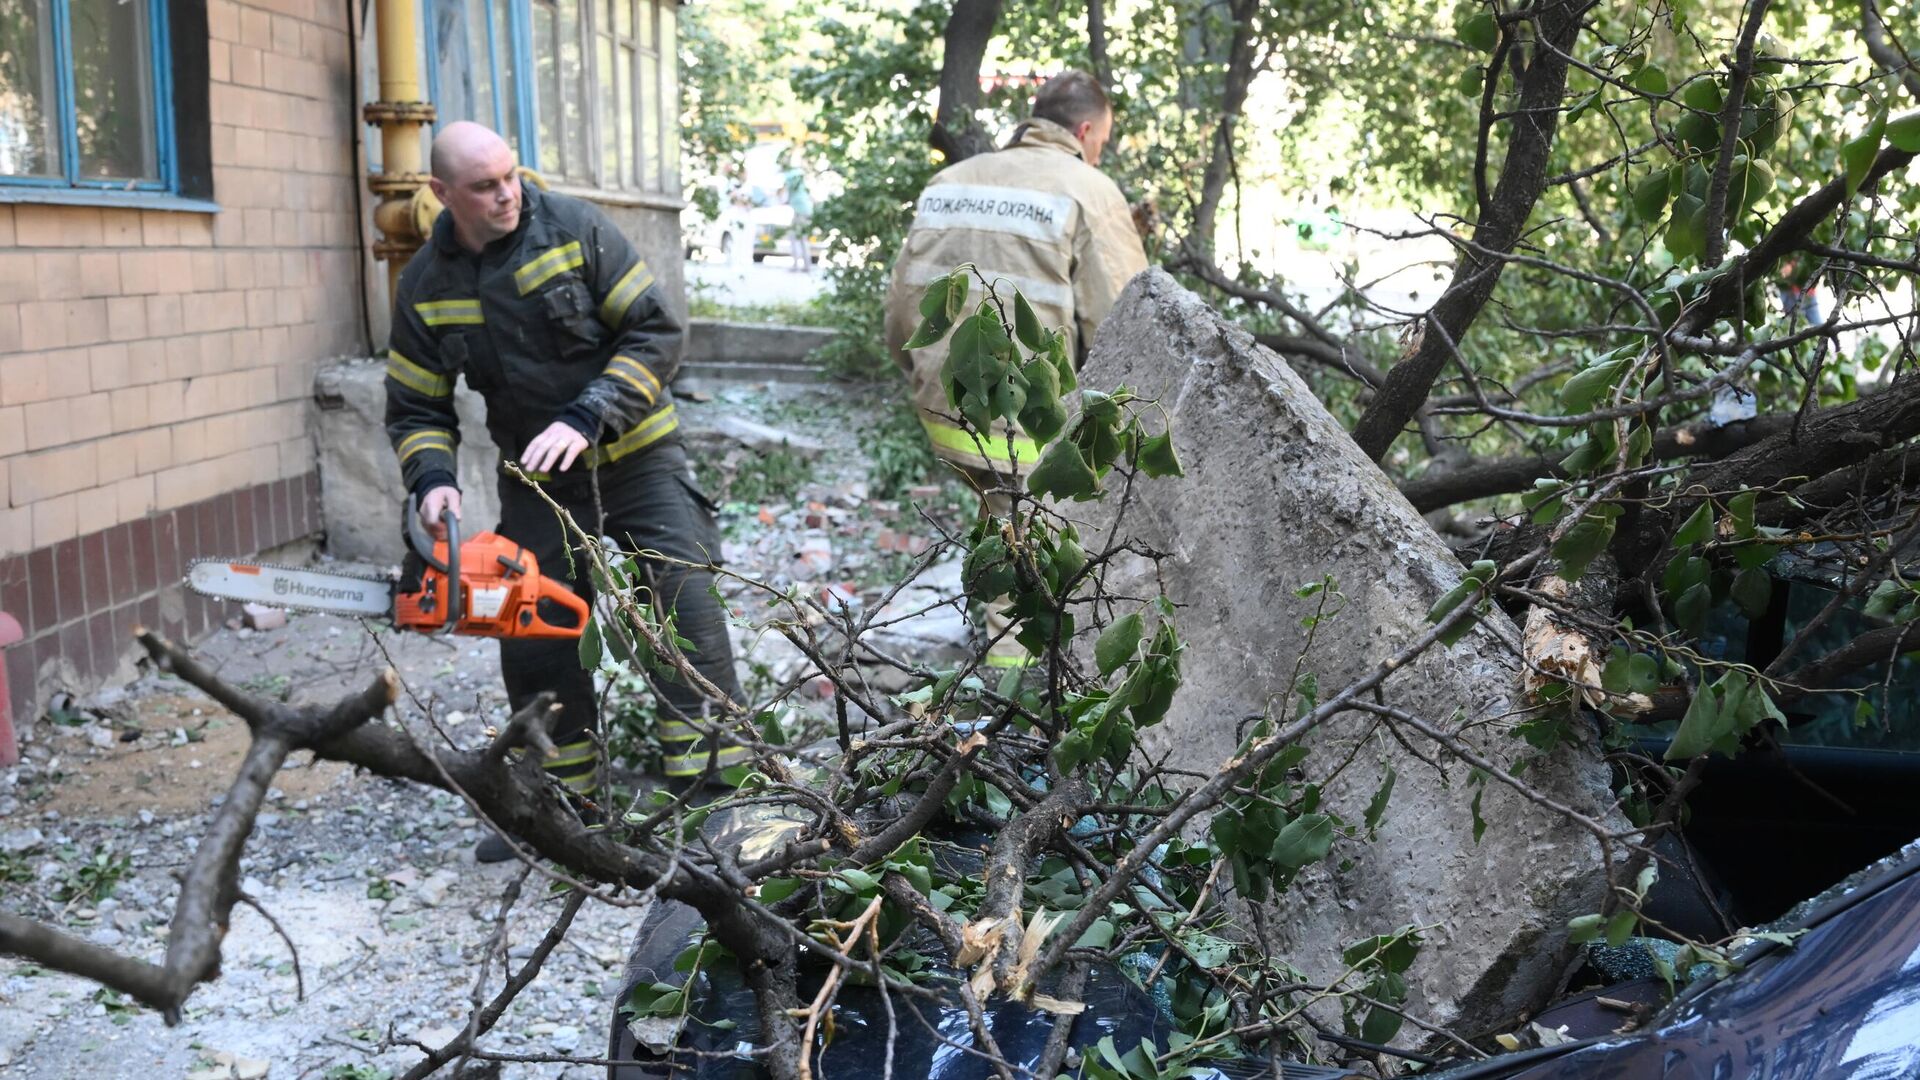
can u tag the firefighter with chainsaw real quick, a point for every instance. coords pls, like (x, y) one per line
(547, 310)
(1037, 215)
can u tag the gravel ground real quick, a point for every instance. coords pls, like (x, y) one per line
(373, 880)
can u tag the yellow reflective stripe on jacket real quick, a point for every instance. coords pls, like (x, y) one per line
(542, 270)
(629, 370)
(644, 434)
(450, 313)
(422, 441)
(625, 291)
(414, 377)
(989, 446)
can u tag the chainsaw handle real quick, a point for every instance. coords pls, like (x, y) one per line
(417, 537)
(424, 546)
(539, 627)
(456, 588)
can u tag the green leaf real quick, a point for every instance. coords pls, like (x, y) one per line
(1098, 936)
(1651, 79)
(1453, 598)
(1581, 545)
(1620, 927)
(1380, 1026)
(1584, 928)
(1156, 457)
(1887, 597)
(1063, 474)
(1643, 674)
(1708, 721)
(933, 302)
(928, 333)
(1903, 132)
(1471, 81)
(1686, 236)
(1753, 592)
(959, 284)
(1650, 196)
(1697, 529)
(1026, 325)
(1690, 610)
(1043, 416)
(1478, 32)
(1586, 385)
(1118, 643)
(1306, 839)
(590, 645)
(1740, 508)
(1858, 154)
(1681, 575)
(1377, 806)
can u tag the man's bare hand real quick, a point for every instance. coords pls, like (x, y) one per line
(438, 500)
(554, 449)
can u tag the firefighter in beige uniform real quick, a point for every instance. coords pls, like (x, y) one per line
(1036, 215)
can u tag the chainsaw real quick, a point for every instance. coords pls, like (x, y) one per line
(487, 586)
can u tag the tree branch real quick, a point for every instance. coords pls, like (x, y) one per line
(1523, 176)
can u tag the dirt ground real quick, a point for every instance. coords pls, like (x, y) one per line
(373, 881)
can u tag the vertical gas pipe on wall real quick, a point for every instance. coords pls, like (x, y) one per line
(400, 114)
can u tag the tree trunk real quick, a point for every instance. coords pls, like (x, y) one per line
(1233, 100)
(969, 29)
(1534, 120)
(1097, 44)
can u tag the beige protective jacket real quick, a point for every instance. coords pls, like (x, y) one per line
(1032, 215)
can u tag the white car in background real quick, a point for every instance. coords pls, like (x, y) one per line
(767, 218)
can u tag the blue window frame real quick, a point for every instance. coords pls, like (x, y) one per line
(86, 96)
(584, 90)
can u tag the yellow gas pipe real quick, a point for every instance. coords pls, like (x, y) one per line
(400, 114)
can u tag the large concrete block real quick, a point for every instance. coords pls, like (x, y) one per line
(1276, 495)
(360, 492)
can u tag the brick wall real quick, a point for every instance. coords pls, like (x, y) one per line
(155, 365)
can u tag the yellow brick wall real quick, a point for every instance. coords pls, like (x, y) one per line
(152, 359)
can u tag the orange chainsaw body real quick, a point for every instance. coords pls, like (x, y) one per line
(501, 594)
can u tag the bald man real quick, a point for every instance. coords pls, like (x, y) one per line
(546, 310)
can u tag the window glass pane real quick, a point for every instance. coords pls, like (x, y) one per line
(645, 18)
(113, 89)
(456, 46)
(29, 139)
(503, 79)
(623, 93)
(669, 100)
(647, 93)
(622, 17)
(609, 116)
(546, 87)
(573, 74)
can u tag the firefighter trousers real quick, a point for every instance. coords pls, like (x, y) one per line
(646, 504)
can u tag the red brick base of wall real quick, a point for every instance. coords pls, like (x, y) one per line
(79, 600)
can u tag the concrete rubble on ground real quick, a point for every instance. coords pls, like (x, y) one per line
(374, 880)
(1275, 497)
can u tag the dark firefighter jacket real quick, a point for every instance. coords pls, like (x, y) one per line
(556, 321)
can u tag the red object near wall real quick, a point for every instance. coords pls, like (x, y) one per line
(10, 634)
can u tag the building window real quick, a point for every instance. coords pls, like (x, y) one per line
(84, 95)
(578, 87)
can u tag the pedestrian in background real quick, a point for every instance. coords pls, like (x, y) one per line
(794, 184)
